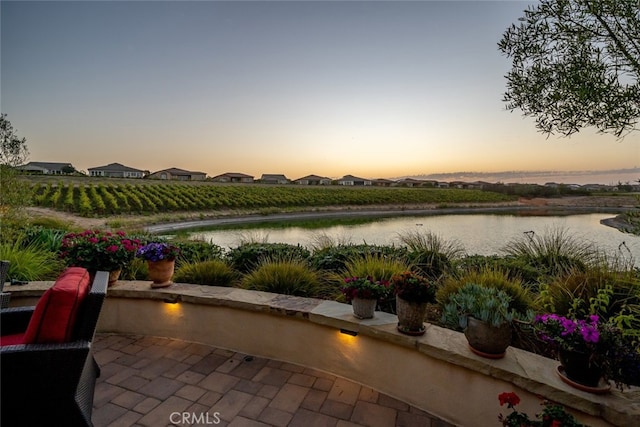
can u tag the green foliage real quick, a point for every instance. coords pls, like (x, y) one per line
(576, 64)
(598, 290)
(15, 193)
(335, 258)
(98, 250)
(521, 298)
(30, 262)
(553, 253)
(413, 287)
(514, 267)
(192, 251)
(377, 266)
(284, 276)
(488, 304)
(364, 287)
(246, 256)
(47, 238)
(214, 272)
(142, 197)
(432, 255)
(552, 415)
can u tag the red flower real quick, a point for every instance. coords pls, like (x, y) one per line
(556, 423)
(511, 399)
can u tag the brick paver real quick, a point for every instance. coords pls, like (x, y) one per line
(151, 381)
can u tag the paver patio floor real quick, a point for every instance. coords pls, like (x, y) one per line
(152, 382)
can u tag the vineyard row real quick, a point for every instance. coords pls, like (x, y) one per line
(109, 199)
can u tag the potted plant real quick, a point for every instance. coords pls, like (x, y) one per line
(363, 293)
(483, 313)
(590, 351)
(161, 258)
(551, 416)
(98, 250)
(413, 294)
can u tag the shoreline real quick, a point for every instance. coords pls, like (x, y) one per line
(614, 222)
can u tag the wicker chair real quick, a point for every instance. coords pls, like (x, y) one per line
(5, 297)
(52, 383)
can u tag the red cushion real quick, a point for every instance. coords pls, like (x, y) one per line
(55, 313)
(12, 339)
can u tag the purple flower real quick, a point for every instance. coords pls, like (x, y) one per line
(590, 334)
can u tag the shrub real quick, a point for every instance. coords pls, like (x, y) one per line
(378, 267)
(284, 276)
(430, 254)
(192, 251)
(30, 262)
(247, 256)
(47, 238)
(521, 297)
(516, 268)
(578, 290)
(555, 252)
(335, 258)
(213, 273)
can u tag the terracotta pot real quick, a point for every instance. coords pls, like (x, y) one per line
(114, 275)
(411, 316)
(161, 272)
(487, 340)
(579, 368)
(363, 308)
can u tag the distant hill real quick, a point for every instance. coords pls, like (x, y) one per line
(607, 177)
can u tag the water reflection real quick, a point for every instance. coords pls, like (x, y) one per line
(482, 234)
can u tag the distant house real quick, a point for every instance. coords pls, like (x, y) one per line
(383, 182)
(442, 184)
(46, 168)
(233, 177)
(410, 182)
(116, 170)
(269, 178)
(313, 180)
(178, 175)
(353, 180)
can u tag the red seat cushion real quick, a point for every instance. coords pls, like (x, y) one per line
(55, 314)
(12, 339)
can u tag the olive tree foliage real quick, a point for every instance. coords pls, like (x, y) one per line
(576, 64)
(13, 191)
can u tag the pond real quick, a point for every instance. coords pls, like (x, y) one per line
(482, 234)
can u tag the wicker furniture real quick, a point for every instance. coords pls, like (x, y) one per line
(5, 297)
(51, 383)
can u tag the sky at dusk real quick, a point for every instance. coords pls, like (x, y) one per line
(373, 89)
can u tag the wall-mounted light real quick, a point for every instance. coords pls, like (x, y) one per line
(348, 332)
(172, 299)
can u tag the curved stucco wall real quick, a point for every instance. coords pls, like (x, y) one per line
(436, 372)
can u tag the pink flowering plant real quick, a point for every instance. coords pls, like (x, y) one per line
(365, 288)
(616, 353)
(582, 335)
(552, 415)
(158, 251)
(98, 250)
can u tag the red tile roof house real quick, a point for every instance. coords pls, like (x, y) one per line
(268, 178)
(313, 180)
(233, 177)
(116, 170)
(45, 168)
(178, 175)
